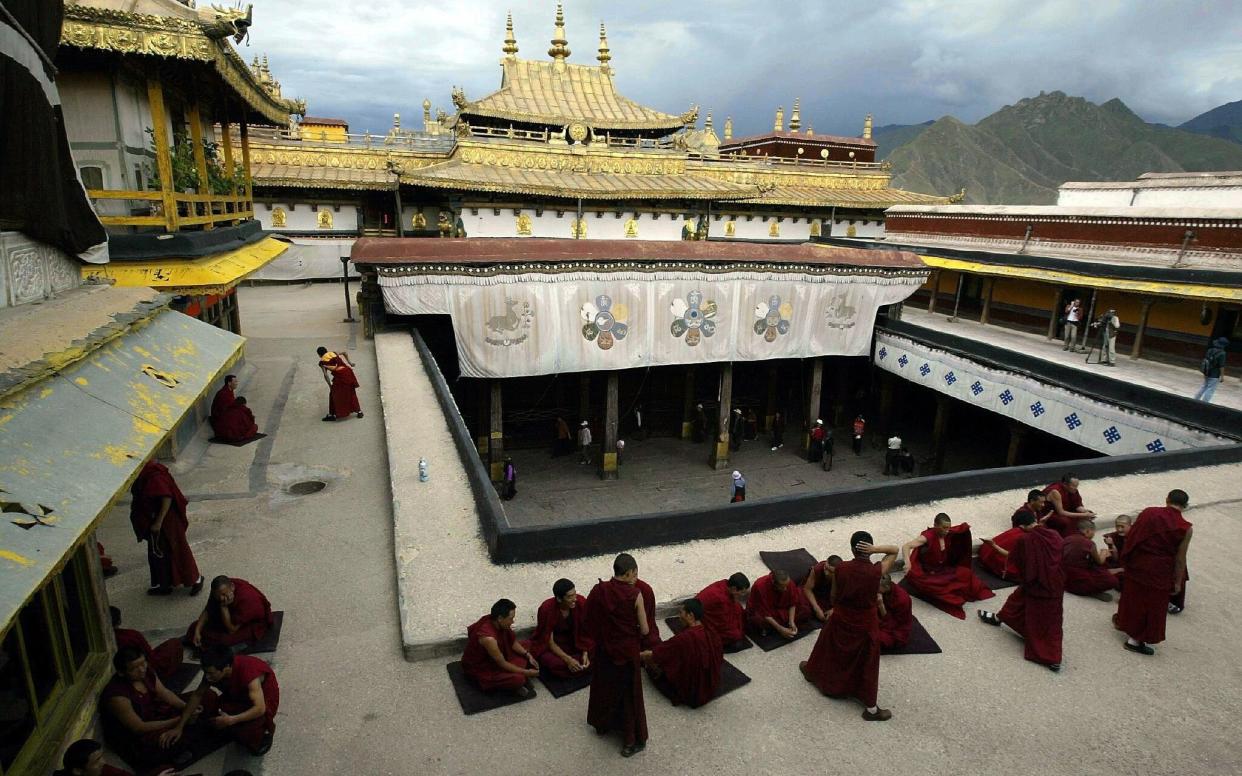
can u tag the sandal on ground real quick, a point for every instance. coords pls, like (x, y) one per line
(880, 715)
(629, 750)
(1142, 649)
(989, 618)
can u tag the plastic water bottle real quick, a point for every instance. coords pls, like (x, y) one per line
(422, 470)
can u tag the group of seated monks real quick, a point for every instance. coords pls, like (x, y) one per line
(151, 727)
(231, 418)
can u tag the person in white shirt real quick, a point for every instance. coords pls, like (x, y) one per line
(892, 458)
(584, 443)
(1073, 314)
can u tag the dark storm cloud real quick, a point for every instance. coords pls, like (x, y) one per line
(903, 60)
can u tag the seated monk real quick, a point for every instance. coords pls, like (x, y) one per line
(818, 587)
(896, 615)
(686, 668)
(652, 637)
(85, 758)
(145, 722)
(1065, 507)
(776, 603)
(1117, 539)
(561, 644)
(938, 567)
(236, 614)
(1086, 566)
(249, 696)
(230, 418)
(494, 659)
(164, 659)
(722, 608)
(994, 552)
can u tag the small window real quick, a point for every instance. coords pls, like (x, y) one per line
(92, 177)
(79, 608)
(40, 647)
(19, 717)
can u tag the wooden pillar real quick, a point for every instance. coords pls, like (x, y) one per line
(1084, 325)
(226, 142)
(770, 414)
(608, 455)
(687, 406)
(200, 161)
(1056, 313)
(719, 456)
(990, 284)
(935, 289)
(957, 298)
(163, 153)
(1136, 351)
(887, 390)
(496, 441)
(584, 397)
(245, 143)
(940, 429)
(482, 417)
(1017, 435)
(813, 401)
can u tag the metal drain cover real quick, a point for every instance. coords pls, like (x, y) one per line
(307, 487)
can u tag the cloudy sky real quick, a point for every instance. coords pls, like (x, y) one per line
(906, 61)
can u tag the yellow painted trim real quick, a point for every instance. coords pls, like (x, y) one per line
(209, 275)
(1189, 290)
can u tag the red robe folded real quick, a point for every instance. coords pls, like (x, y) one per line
(896, 624)
(1001, 565)
(164, 659)
(942, 576)
(1083, 574)
(766, 601)
(479, 666)
(721, 612)
(1034, 609)
(235, 698)
(821, 585)
(690, 665)
(846, 659)
(172, 563)
(616, 700)
(250, 612)
(343, 395)
(653, 632)
(1148, 557)
(568, 632)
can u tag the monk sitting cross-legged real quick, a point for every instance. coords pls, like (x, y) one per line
(776, 603)
(1065, 507)
(230, 418)
(994, 552)
(617, 622)
(722, 608)
(1154, 558)
(249, 697)
(938, 567)
(1034, 609)
(164, 659)
(687, 666)
(1116, 540)
(236, 614)
(561, 644)
(818, 587)
(1086, 566)
(846, 659)
(896, 615)
(494, 659)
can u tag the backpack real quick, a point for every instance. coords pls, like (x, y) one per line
(1209, 362)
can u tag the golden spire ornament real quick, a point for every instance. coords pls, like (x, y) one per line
(867, 127)
(560, 46)
(728, 128)
(510, 48)
(795, 119)
(779, 124)
(605, 54)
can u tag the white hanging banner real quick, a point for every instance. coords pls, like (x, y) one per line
(548, 323)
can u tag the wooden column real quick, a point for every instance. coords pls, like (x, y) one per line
(608, 455)
(1136, 351)
(482, 417)
(226, 142)
(935, 289)
(688, 404)
(1017, 435)
(940, 429)
(719, 456)
(200, 160)
(770, 413)
(813, 402)
(245, 143)
(1084, 325)
(957, 298)
(163, 153)
(496, 441)
(1056, 313)
(887, 390)
(987, 300)
(584, 398)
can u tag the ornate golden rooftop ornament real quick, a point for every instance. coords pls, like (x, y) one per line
(958, 197)
(560, 46)
(690, 117)
(728, 128)
(867, 127)
(707, 122)
(605, 55)
(230, 21)
(510, 48)
(779, 124)
(795, 120)
(426, 110)
(810, 130)
(459, 98)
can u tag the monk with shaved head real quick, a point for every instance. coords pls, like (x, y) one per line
(722, 609)
(776, 604)
(1154, 559)
(1086, 566)
(617, 622)
(938, 567)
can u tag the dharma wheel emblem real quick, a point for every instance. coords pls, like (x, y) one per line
(693, 317)
(772, 318)
(578, 132)
(604, 321)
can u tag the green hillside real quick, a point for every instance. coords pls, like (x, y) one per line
(890, 137)
(1224, 121)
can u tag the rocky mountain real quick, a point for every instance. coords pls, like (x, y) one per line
(890, 137)
(1224, 121)
(1021, 153)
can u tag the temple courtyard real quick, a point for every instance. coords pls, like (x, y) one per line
(352, 704)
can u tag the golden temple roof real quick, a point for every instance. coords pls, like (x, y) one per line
(299, 176)
(868, 198)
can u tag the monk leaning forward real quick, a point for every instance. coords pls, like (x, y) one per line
(1154, 559)
(158, 516)
(687, 666)
(1033, 611)
(338, 373)
(236, 615)
(722, 608)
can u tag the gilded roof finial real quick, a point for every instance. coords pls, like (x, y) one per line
(707, 122)
(795, 120)
(605, 54)
(779, 124)
(728, 129)
(867, 127)
(510, 48)
(426, 109)
(560, 46)
(810, 130)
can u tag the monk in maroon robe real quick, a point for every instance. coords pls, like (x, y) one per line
(994, 552)
(776, 603)
(652, 636)
(157, 514)
(896, 615)
(231, 419)
(164, 659)
(236, 613)
(687, 667)
(846, 659)
(105, 562)
(617, 621)
(1033, 611)
(494, 659)
(722, 607)
(249, 697)
(561, 644)
(938, 567)
(342, 385)
(817, 589)
(1086, 566)
(84, 757)
(1154, 558)
(1065, 507)
(1115, 541)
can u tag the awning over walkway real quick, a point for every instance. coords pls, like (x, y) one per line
(70, 444)
(214, 274)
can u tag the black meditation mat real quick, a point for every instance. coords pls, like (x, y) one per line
(796, 563)
(219, 441)
(986, 576)
(677, 626)
(921, 643)
(731, 678)
(472, 699)
(773, 640)
(183, 678)
(270, 640)
(561, 687)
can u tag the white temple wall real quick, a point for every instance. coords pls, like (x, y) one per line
(1183, 197)
(304, 217)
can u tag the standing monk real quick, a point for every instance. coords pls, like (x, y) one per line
(342, 385)
(722, 608)
(776, 603)
(157, 514)
(1154, 559)
(818, 587)
(687, 666)
(994, 553)
(617, 621)
(1086, 566)
(561, 644)
(237, 613)
(846, 659)
(896, 615)
(494, 659)
(164, 659)
(1034, 609)
(1065, 505)
(938, 567)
